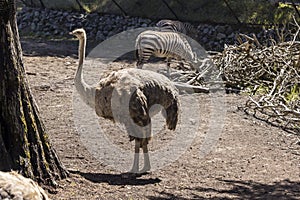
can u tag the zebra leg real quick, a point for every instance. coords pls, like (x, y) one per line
(135, 166)
(147, 165)
(181, 64)
(139, 64)
(168, 66)
(141, 61)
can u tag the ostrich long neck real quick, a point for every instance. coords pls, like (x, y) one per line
(86, 91)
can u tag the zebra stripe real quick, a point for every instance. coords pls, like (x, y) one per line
(177, 26)
(164, 45)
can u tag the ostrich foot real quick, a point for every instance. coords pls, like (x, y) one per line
(128, 175)
(135, 167)
(133, 171)
(145, 169)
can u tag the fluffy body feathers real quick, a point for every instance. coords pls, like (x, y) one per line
(126, 96)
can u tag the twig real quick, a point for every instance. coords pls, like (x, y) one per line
(295, 7)
(270, 74)
(296, 35)
(186, 87)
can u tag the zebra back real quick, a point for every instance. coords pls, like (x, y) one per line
(163, 44)
(176, 26)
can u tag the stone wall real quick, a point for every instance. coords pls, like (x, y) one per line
(50, 23)
(209, 11)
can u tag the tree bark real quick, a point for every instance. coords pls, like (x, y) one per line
(24, 143)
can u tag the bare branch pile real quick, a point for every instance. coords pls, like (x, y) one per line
(271, 75)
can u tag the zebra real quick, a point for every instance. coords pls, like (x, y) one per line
(177, 26)
(164, 45)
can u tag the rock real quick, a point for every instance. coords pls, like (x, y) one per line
(36, 13)
(107, 28)
(40, 26)
(110, 34)
(46, 22)
(17, 187)
(33, 26)
(48, 33)
(204, 40)
(105, 32)
(26, 17)
(221, 36)
(65, 14)
(213, 33)
(220, 29)
(228, 30)
(100, 36)
(206, 30)
(231, 36)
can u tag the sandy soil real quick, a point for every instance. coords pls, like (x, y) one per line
(251, 159)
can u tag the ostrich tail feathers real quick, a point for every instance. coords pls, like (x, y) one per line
(166, 96)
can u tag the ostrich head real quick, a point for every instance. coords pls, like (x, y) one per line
(79, 33)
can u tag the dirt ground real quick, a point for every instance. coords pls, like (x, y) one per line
(251, 160)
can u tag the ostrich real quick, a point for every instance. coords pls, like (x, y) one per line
(129, 91)
(15, 186)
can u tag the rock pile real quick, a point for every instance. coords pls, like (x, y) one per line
(55, 23)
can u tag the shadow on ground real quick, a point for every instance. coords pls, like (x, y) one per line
(284, 189)
(64, 48)
(118, 179)
(43, 47)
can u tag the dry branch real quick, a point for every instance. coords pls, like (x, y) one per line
(270, 74)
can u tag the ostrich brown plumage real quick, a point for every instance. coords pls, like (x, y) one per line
(126, 96)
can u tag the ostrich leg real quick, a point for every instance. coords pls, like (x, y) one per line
(135, 166)
(147, 165)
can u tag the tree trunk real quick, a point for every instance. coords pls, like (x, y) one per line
(24, 143)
